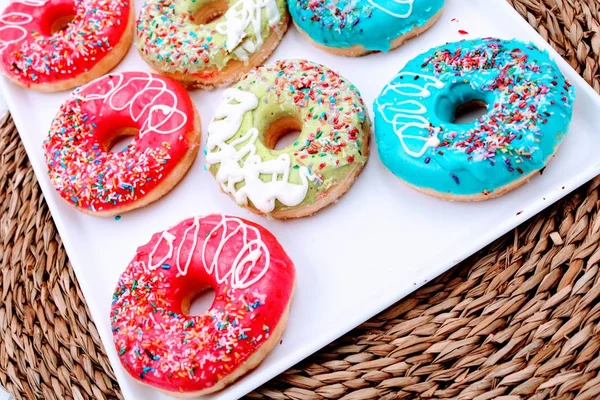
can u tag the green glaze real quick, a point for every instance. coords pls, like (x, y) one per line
(170, 40)
(333, 137)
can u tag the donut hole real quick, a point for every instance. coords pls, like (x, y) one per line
(198, 303)
(56, 18)
(462, 104)
(470, 111)
(121, 140)
(61, 23)
(282, 132)
(210, 12)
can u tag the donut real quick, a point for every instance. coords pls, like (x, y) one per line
(55, 45)
(209, 44)
(289, 96)
(161, 345)
(358, 27)
(160, 116)
(528, 104)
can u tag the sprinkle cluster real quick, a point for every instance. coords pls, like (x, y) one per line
(152, 335)
(335, 14)
(171, 38)
(96, 28)
(332, 111)
(528, 94)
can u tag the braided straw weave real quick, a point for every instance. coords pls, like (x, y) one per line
(521, 319)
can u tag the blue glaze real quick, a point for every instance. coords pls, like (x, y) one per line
(370, 23)
(529, 105)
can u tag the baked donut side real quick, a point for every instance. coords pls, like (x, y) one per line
(161, 345)
(56, 45)
(290, 96)
(160, 116)
(358, 28)
(528, 108)
(209, 44)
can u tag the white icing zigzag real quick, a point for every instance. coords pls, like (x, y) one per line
(246, 259)
(239, 17)
(408, 114)
(386, 9)
(155, 87)
(14, 20)
(242, 266)
(225, 124)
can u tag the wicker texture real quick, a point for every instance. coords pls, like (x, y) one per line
(521, 319)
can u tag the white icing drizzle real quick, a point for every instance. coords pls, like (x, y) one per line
(388, 11)
(407, 114)
(242, 266)
(12, 22)
(155, 89)
(239, 17)
(182, 271)
(246, 259)
(169, 238)
(225, 124)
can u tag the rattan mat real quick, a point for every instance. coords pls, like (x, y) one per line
(521, 319)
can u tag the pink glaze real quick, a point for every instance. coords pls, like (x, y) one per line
(80, 165)
(33, 55)
(253, 279)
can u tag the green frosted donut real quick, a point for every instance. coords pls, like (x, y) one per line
(180, 38)
(269, 102)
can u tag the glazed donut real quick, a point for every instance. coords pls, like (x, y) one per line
(529, 108)
(161, 345)
(270, 102)
(358, 27)
(157, 111)
(54, 45)
(182, 39)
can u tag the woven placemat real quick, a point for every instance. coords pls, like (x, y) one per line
(521, 319)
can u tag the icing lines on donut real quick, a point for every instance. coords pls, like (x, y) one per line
(13, 21)
(237, 276)
(395, 8)
(227, 121)
(152, 339)
(193, 47)
(170, 120)
(85, 40)
(239, 17)
(407, 114)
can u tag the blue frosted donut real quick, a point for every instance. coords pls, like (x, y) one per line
(357, 27)
(529, 108)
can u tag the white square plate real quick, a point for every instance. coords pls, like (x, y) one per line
(353, 259)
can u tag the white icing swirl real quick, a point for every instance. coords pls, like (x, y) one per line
(160, 109)
(239, 17)
(389, 4)
(223, 127)
(237, 275)
(407, 114)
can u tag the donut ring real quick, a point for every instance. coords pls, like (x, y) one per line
(269, 102)
(358, 27)
(55, 45)
(529, 108)
(161, 345)
(183, 40)
(157, 111)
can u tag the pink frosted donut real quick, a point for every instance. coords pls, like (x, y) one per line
(161, 345)
(53, 45)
